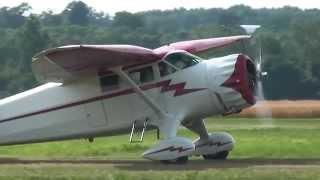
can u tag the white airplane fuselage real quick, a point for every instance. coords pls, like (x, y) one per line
(82, 110)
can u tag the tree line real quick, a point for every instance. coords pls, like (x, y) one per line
(289, 38)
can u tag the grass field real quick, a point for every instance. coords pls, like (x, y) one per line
(290, 139)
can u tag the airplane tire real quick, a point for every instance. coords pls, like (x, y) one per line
(180, 160)
(218, 156)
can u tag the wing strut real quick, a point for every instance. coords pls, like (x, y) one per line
(155, 107)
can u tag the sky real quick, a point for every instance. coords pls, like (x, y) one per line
(112, 6)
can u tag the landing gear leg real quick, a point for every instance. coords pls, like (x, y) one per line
(198, 127)
(210, 146)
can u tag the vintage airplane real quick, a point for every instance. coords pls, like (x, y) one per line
(101, 90)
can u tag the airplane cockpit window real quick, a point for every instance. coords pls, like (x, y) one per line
(166, 69)
(181, 60)
(110, 82)
(142, 75)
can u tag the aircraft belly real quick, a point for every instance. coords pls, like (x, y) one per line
(191, 106)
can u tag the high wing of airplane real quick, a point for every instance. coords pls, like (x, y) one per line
(102, 90)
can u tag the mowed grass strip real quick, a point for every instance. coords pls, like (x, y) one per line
(96, 172)
(257, 141)
(276, 138)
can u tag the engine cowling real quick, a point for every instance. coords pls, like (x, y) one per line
(217, 142)
(232, 82)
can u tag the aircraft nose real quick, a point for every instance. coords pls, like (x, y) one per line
(232, 81)
(243, 79)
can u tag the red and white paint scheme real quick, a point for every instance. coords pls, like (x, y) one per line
(102, 90)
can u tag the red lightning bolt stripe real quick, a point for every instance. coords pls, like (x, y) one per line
(171, 148)
(179, 89)
(213, 144)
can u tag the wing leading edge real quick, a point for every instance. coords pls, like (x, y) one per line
(200, 45)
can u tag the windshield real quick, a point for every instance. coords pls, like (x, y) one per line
(181, 60)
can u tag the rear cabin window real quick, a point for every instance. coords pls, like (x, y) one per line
(142, 75)
(109, 83)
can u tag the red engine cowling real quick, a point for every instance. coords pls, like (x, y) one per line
(243, 79)
(233, 82)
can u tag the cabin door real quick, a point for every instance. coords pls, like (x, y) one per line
(146, 78)
(95, 114)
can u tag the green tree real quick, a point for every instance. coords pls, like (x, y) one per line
(51, 19)
(78, 13)
(32, 39)
(14, 17)
(290, 39)
(128, 20)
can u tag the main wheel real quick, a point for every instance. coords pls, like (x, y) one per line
(218, 156)
(180, 160)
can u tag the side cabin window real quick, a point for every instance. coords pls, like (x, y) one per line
(176, 61)
(110, 82)
(139, 76)
(142, 75)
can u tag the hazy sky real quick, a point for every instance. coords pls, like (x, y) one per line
(112, 6)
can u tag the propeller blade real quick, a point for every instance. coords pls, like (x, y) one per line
(263, 110)
(259, 61)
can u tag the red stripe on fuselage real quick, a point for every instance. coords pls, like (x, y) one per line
(164, 85)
